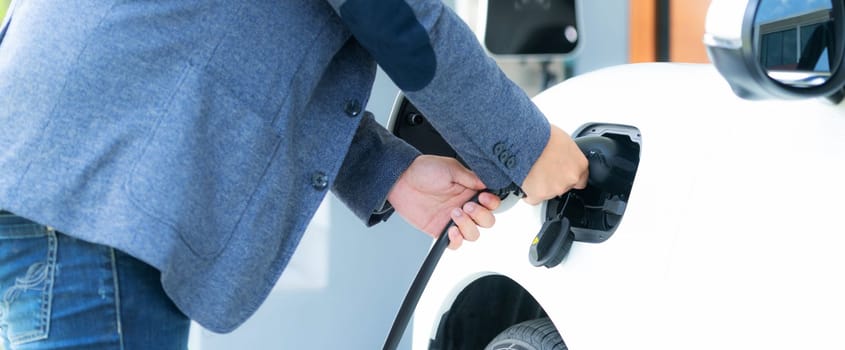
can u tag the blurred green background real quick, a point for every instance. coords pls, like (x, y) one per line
(3, 5)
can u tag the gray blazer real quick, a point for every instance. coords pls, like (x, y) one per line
(200, 136)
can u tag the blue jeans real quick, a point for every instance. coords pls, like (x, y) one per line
(60, 292)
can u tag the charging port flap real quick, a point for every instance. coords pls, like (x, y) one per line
(592, 214)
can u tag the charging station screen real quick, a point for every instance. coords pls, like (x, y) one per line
(526, 27)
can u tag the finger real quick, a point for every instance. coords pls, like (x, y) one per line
(538, 198)
(489, 200)
(479, 214)
(532, 200)
(465, 224)
(455, 238)
(582, 181)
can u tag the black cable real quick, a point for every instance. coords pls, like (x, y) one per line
(403, 317)
(417, 287)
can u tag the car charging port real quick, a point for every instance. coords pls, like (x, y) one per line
(592, 214)
(588, 215)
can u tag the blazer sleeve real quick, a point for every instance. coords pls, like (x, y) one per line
(374, 162)
(433, 56)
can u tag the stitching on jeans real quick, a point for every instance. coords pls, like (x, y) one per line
(39, 275)
(116, 280)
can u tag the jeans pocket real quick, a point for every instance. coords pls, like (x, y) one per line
(27, 273)
(202, 164)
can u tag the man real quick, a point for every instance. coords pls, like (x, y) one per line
(161, 159)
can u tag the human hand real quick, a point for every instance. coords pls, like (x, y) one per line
(561, 167)
(434, 190)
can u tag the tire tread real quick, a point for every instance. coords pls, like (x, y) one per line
(539, 333)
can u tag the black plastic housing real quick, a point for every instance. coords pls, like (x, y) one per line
(595, 212)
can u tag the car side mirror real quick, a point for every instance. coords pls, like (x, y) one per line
(778, 49)
(528, 27)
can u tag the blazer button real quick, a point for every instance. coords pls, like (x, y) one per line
(504, 156)
(319, 181)
(352, 108)
(498, 148)
(511, 162)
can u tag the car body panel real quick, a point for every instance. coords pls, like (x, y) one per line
(730, 238)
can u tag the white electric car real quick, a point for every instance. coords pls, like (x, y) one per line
(727, 235)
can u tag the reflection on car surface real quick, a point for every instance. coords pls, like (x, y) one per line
(727, 237)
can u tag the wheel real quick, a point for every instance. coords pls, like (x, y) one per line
(537, 334)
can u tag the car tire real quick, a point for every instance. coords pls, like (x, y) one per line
(537, 334)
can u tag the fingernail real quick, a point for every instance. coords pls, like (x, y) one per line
(456, 213)
(469, 207)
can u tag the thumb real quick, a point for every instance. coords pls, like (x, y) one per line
(531, 200)
(465, 177)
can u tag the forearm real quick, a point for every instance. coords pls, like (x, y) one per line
(439, 64)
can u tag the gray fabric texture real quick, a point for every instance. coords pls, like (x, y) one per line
(200, 136)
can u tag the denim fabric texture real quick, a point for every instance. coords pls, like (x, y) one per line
(200, 136)
(61, 292)
(27, 274)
